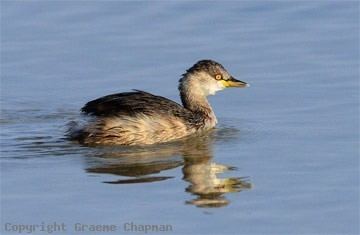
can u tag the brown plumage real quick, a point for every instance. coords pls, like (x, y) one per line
(140, 118)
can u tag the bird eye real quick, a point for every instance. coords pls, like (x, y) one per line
(218, 76)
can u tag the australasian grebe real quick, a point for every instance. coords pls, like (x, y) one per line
(141, 118)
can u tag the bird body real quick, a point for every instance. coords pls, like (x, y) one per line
(141, 118)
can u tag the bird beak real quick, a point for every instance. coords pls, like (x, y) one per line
(232, 82)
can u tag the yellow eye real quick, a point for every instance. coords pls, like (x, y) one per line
(218, 76)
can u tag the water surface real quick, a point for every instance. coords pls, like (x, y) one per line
(283, 160)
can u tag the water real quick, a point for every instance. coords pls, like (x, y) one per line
(283, 160)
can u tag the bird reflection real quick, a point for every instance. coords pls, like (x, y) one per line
(194, 154)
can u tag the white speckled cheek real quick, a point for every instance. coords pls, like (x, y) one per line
(220, 84)
(214, 87)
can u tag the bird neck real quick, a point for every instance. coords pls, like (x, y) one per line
(194, 98)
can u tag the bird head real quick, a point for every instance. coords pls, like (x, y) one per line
(210, 76)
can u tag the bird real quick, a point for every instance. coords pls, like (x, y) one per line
(141, 118)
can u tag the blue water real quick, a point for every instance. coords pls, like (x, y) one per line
(284, 158)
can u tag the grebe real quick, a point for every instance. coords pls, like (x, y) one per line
(141, 118)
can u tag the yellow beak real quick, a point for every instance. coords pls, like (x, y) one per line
(232, 82)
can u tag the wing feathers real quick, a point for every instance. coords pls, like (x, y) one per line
(132, 103)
